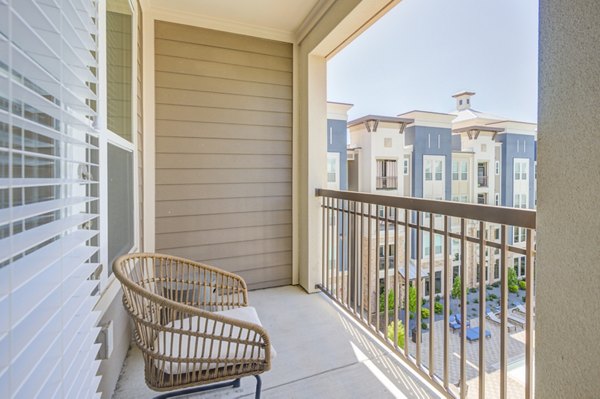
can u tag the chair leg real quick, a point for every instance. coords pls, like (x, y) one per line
(258, 387)
(234, 384)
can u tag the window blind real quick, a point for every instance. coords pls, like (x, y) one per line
(48, 199)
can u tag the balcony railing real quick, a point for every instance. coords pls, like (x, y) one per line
(482, 181)
(387, 183)
(448, 360)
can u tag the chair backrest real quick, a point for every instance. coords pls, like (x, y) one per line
(158, 288)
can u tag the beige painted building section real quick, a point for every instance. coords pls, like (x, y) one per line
(568, 216)
(224, 151)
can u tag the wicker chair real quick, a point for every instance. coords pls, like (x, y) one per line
(192, 324)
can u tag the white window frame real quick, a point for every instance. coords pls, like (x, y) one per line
(334, 156)
(107, 137)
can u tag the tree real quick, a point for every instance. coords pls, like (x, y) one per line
(400, 336)
(412, 299)
(512, 277)
(391, 298)
(456, 289)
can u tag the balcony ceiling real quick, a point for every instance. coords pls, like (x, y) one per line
(275, 19)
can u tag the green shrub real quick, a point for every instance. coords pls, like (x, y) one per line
(400, 336)
(475, 300)
(450, 311)
(424, 326)
(473, 290)
(522, 284)
(493, 296)
(523, 298)
(438, 308)
(488, 287)
(390, 298)
(438, 297)
(496, 284)
(412, 316)
(513, 288)
(424, 313)
(468, 303)
(423, 301)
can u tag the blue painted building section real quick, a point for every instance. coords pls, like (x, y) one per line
(337, 129)
(516, 146)
(425, 140)
(337, 142)
(525, 149)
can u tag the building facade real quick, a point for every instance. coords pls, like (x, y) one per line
(464, 156)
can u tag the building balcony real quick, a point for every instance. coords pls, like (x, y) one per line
(322, 352)
(386, 183)
(482, 181)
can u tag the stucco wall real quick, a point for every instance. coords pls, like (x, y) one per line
(568, 224)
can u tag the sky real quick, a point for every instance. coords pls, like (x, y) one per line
(423, 51)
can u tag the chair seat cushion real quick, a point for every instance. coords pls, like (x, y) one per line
(190, 347)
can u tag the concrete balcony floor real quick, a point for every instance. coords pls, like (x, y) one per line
(321, 353)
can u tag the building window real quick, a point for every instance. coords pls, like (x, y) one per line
(464, 171)
(333, 168)
(438, 247)
(455, 170)
(438, 282)
(119, 129)
(406, 167)
(387, 178)
(391, 250)
(520, 201)
(497, 199)
(519, 265)
(428, 172)
(497, 168)
(439, 168)
(521, 166)
(118, 68)
(482, 198)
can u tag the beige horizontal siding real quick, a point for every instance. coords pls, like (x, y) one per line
(218, 161)
(201, 52)
(221, 220)
(222, 85)
(187, 66)
(190, 34)
(193, 145)
(199, 176)
(218, 236)
(221, 100)
(219, 206)
(224, 151)
(220, 131)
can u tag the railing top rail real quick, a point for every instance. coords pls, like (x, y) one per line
(485, 213)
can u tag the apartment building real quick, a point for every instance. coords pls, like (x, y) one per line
(465, 156)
